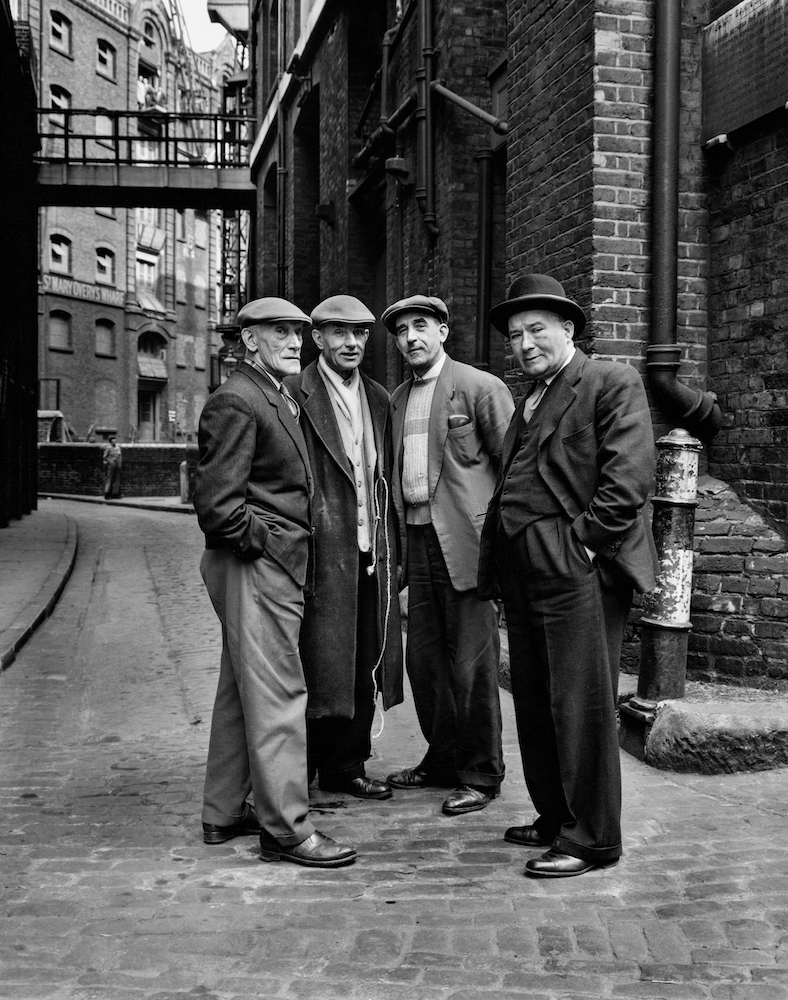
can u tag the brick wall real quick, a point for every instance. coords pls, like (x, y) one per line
(748, 307)
(740, 593)
(149, 470)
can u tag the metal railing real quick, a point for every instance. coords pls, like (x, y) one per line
(149, 137)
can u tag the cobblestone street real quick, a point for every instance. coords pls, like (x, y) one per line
(110, 894)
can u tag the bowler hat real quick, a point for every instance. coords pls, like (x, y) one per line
(536, 291)
(341, 309)
(415, 303)
(270, 310)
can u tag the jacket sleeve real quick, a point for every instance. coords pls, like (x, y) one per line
(494, 409)
(228, 441)
(625, 462)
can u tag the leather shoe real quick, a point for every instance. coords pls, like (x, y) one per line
(362, 787)
(526, 836)
(317, 851)
(247, 826)
(415, 777)
(553, 864)
(467, 798)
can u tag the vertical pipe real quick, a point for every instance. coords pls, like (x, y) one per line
(425, 130)
(484, 257)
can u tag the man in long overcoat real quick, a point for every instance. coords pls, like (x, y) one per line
(351, 641)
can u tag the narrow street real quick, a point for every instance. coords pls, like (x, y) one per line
(110, 894)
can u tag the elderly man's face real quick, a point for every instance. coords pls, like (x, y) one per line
(420, 338)
(277, 345)
(342, 345)
(540, 341)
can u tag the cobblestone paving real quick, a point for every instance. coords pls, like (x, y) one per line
(108, 892)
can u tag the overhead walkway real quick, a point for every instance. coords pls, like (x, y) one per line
(142, 158)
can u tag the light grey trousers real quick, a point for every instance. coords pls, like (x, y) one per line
(258, 731)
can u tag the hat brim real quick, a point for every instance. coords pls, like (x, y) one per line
(499, 315)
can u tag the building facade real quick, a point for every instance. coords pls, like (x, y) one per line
(128, 297)
(446, 147)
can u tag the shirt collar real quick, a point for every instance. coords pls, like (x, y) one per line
(251, 359)
(433, 372)
(567, 359)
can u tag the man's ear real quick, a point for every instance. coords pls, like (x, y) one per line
(249, 342)
(317, 337)
(569, 326)
(444, 329)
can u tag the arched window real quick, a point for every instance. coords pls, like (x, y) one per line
(149, 35)
(152, 345)
(60, 32)
(105, 337)
(106, 59)
(59, 255)
(60, 330)
(60, 100)
(105, 266)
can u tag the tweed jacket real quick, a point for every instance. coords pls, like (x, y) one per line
(328, 632)
(596, 456)
(253, 484)
(463, 461)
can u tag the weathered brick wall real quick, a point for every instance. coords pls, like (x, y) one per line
(149, 470)
(748, 305)
(740, 593)
(550, 196)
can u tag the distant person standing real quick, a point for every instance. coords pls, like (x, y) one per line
(113, 462)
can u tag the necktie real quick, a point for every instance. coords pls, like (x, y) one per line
(295, 409)
(533, 399)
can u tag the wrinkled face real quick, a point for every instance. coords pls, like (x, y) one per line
(540, 341)
(420, 338)
(277, 345)
(342, 345)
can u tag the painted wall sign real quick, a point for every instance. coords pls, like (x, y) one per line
(57, 285)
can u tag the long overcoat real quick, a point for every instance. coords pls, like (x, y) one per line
(328, 632)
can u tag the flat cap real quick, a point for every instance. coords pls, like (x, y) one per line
(416, 303)
(269, 310)
(341, 309)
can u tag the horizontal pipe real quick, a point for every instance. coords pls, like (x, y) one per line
(394, 120)
(499, 125)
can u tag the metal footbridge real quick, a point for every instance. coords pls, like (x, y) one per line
(147, 158)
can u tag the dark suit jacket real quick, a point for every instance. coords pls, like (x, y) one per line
(597, 457)
(463, 461)
(253, 483)
(328, 632)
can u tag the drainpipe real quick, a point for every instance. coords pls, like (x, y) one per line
(484, 160)
(281, 166)
(693, 409)
(425, 132)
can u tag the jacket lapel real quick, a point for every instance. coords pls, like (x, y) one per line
(399, 404)
(439, 423)
(560, 396)
(379, 410)
(320, 412)
(288, 422)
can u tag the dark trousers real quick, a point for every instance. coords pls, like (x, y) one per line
(338, 747)
(452, 663)
(566, 618)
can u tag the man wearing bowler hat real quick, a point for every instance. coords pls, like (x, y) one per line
(566, 541)
(448, 423)
(252, 496)
(351, 637)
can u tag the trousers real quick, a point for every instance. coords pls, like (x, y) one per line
(452, 662)
(258, 730)
(566, 621)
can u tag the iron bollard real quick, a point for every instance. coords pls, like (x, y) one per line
(666, 621)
